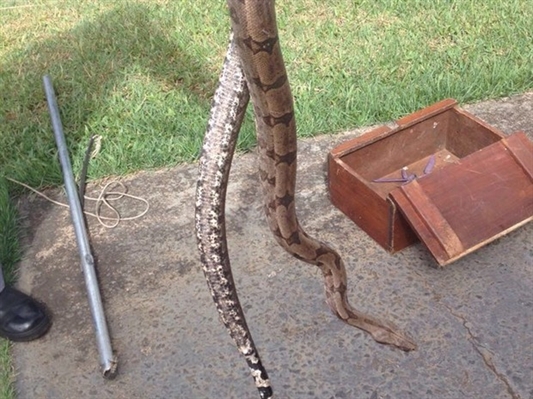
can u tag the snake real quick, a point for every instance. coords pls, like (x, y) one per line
(254, 71)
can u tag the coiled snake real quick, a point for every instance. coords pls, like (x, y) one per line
(254, 68)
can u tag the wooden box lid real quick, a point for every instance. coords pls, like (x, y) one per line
(458, 209)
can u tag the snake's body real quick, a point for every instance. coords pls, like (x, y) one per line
(254, 68)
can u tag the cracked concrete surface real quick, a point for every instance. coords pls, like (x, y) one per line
(472, 320)
(485, 353)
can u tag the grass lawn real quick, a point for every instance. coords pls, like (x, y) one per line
(141, 74)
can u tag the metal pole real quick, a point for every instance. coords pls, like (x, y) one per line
(107, 359)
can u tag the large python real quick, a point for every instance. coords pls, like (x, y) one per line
(254, 68)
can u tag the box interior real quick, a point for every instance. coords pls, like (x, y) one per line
(449, 136)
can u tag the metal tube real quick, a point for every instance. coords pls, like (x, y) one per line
(107, 359)
(83, 173)
(2, 281)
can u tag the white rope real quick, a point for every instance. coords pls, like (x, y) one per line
(103, 198)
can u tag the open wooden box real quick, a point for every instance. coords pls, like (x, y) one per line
(480, 187)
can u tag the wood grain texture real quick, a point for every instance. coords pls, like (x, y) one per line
(448, 136)
(464, 206)
(441, 131)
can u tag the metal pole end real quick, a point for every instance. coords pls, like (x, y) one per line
(110, 370)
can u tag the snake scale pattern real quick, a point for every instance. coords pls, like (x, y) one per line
(254, 68)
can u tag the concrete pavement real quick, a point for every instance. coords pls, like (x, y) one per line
(472, 321)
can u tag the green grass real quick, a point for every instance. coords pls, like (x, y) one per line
(141, 74)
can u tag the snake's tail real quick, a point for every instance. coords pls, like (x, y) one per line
(227, 112)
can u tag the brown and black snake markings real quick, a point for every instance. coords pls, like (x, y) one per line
(254, 68)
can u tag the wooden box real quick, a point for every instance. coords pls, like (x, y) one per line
(479, 187)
